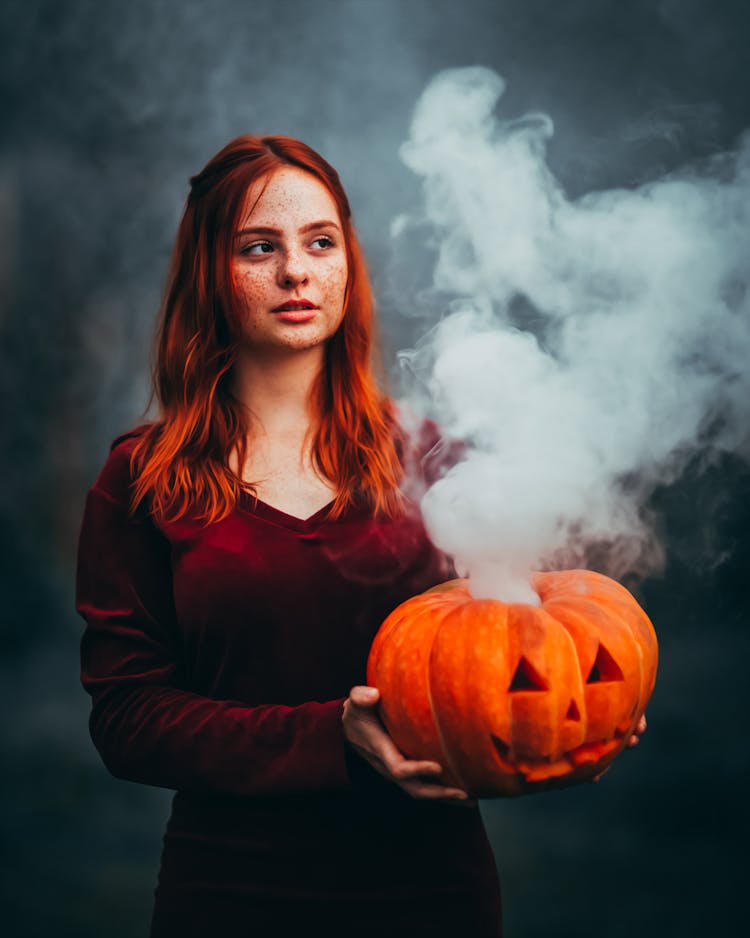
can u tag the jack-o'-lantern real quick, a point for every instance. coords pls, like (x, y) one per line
(513, 698)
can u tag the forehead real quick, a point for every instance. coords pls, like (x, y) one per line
(287, 197)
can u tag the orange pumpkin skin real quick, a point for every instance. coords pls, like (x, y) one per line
(512, 698)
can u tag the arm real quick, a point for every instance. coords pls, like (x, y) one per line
(145, 724)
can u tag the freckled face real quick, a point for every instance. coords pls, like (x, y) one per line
(289, 263)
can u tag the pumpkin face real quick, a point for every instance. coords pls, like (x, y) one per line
(513, 698)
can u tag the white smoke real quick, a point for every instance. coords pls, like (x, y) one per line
(590, 347)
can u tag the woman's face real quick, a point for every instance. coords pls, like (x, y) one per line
(289, 263)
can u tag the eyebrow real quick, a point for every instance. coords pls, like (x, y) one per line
(275, 231)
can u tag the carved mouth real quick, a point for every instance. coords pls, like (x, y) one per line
(546, 767)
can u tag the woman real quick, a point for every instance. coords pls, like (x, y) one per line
(236, 558)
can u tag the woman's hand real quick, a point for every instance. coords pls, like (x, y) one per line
(640, 729)
(366, 734)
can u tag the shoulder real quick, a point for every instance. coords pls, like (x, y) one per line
(425, 450)
(115, 477)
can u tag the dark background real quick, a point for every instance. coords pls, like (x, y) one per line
(108, 108)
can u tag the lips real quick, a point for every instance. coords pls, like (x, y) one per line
(294, 305)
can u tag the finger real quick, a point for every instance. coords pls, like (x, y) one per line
(641, 728)
(633, 741)
(405, 773)
(435, 792)
(363, 696)
(374, 743)
(454, 802)
(404, 770)
(381, 747)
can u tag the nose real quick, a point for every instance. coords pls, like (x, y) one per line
(292, 268)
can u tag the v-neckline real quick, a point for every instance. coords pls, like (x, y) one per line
(283, 518)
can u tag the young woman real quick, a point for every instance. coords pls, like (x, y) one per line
(237, 556)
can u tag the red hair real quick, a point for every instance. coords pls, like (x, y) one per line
(181, 462)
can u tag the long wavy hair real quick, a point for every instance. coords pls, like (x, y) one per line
(180, 463)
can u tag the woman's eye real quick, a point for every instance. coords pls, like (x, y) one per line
(324, 241)
(258, 247)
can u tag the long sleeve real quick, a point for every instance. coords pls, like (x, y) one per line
(146, 726)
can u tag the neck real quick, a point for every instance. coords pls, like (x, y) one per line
(276, 388)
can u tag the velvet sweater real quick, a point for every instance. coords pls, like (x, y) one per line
(218, 659)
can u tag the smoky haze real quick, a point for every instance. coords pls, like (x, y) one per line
(592, 345)
(107, 109)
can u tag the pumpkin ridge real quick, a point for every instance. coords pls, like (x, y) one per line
(407, 717)
(606, 707)
(627, 618)
(456, 609)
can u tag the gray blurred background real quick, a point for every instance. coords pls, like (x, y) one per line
(107, 109)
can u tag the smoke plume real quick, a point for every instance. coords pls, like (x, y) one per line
(588, 349)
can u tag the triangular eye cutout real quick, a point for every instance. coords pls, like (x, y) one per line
(526, 678)
(605, 668)
(573, 712)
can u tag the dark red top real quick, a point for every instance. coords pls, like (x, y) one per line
(218, 659)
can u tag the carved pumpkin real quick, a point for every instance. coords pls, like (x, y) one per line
(514, 698)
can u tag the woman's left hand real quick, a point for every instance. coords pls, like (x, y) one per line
(640, 729)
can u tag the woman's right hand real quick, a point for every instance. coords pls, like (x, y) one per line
(365, 732)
